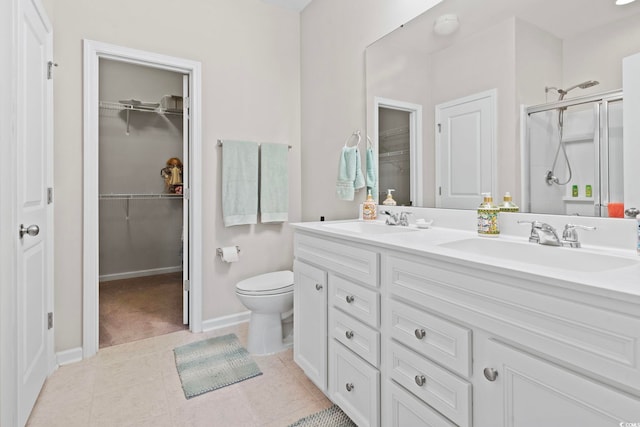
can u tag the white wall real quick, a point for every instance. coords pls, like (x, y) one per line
(250, 55)
(334, 36)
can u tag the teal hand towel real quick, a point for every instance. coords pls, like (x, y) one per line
(372, 175)
(350, 176)
(239, 182)
(274, 182)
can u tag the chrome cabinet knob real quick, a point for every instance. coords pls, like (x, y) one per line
(349, 386)
(349, 334)
(31, 230)
(318, 287)
(490, 374)
(420, 333)
(420, 380)
(350, 298)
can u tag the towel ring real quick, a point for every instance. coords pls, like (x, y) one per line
(356, 133)
(369, 142)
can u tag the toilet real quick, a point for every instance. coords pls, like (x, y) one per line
(269, 296)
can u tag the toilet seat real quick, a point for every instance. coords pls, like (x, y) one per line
(275, 283)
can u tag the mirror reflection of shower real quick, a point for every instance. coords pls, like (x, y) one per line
(550, 177)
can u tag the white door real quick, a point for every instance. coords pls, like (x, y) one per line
(34, 234)
(186, 199)
(530, 392)
(310, 322)
(465, 150)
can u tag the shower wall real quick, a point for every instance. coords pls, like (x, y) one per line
(138, 236)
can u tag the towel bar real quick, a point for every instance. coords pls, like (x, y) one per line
(220, 144)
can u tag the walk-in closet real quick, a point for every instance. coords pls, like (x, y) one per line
(142, 207)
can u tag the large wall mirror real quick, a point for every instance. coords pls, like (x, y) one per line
(446, 112)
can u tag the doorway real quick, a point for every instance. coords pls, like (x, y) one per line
(126, 195)
(143, 216)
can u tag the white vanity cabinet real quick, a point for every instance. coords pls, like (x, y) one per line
(519, 352)
(339, 346)
(416, 338)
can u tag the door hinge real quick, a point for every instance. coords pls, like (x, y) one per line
(186, 193)
(187, 285)
(50, 66)
(439, 191)
(439, 128)
(186, 106)
(50, 320)
(49, 195)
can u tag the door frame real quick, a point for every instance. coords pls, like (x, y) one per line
(415, 141)
(93, 51)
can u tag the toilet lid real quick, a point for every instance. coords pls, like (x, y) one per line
(276, 282)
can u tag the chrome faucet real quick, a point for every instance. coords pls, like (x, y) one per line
(398, 218)
(542, 233)
(570, 235)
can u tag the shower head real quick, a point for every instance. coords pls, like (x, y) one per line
(583, 85)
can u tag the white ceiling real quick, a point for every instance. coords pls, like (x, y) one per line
(296, 5)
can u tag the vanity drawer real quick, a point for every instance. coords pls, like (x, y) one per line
(356, 336)
(348, 260)
(442, 341)
(360, 302)
(354, 386)
(406, 410)
(445, 392)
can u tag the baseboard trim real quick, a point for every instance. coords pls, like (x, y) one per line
(224, 321)
(69, 356)
(139, 273)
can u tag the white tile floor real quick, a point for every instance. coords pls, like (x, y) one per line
(136, 384)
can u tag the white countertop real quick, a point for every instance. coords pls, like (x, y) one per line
(622, 283)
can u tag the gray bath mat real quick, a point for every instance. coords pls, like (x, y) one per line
(212, 364)
(330, 417)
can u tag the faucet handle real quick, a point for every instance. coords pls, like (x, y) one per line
(535, 225)
(570, 235)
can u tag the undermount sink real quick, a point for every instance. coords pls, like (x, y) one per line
(544, 256)
(368, 227)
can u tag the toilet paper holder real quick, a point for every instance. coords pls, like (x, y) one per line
(219, 251)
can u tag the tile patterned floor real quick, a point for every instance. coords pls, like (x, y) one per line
(136, 384)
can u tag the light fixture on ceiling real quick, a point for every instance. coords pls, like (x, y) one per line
(622, 2)
(446, 24)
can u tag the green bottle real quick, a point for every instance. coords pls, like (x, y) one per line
(574, 191)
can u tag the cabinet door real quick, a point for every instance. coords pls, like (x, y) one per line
(531, 392)
(310, 322)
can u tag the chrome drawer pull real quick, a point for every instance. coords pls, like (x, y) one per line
(349, 334)
(420, 333)
(420, 380)
(350, 298)
(490, 374)
(318, 287)
(350, 386)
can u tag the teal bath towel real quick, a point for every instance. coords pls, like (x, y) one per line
(239, 182)
(274, 182)
(372, 175)
(350, 176)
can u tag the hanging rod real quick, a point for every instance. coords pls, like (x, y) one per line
(128, 196)
(220, 144)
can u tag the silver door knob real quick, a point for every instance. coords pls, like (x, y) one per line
(31, 230)
(318, 287)
(350, 386)
(350, 298)
(349, 334)
(420, 380)
(420, 333)
(490, 374)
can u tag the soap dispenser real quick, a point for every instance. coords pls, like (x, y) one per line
(488, 217)
(389, 200)
(369, 209)
(507, 204)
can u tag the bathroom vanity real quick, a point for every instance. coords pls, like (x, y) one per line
(439, 327)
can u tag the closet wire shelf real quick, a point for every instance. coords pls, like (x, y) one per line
(108, 105)
(112, 196)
